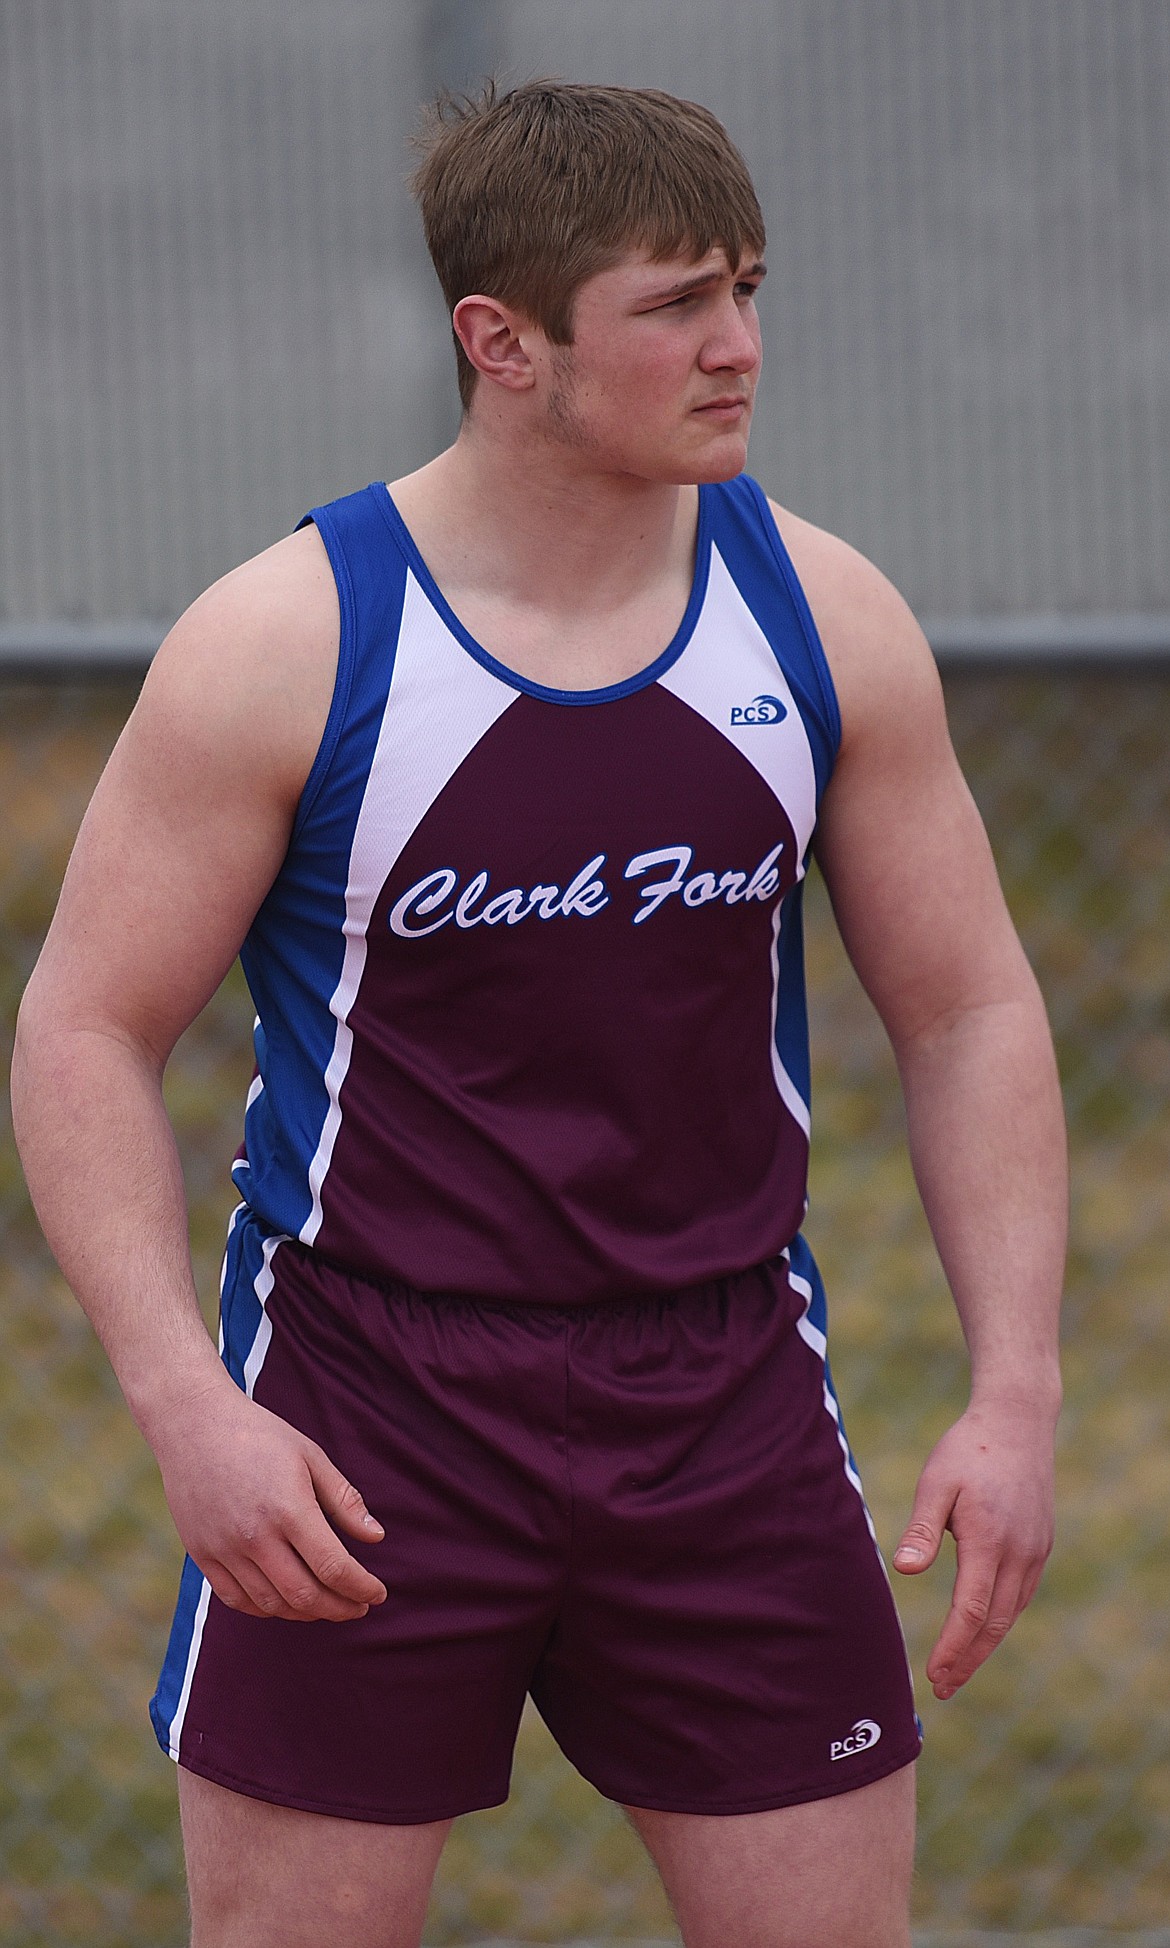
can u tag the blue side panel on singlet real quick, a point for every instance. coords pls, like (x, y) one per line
(746, 535)
(290, 979)
(791, 1015)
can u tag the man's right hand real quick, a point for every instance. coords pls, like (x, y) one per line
(254, 1500)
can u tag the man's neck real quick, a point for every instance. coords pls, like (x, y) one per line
(537, 526)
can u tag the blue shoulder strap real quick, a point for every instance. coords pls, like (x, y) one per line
(370, 573)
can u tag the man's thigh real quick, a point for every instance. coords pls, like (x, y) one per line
(832, 1873)
(259, 1874)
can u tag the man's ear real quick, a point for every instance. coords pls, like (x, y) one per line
(492, 335)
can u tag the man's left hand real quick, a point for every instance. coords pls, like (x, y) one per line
(990, 1482)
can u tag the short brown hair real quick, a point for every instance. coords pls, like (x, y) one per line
(525, 195)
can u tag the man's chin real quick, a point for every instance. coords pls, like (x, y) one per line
(720, 459)
(724, 462)
(724, 471)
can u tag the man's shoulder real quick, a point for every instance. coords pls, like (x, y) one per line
(252, 662)
(875, 648)
(836, 577)
(286, 591)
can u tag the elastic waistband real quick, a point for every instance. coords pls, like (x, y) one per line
(623, 1302)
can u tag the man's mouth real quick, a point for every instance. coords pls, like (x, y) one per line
(727, 406)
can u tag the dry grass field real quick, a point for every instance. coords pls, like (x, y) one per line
(1046, 1785)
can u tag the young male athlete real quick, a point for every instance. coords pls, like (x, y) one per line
(504, 781)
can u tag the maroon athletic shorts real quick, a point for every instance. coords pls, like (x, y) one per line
(643, 1513)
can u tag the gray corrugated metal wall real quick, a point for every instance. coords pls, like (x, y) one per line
(215, 307)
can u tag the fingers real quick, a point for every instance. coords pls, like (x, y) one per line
(924, 1531)
(273, 1579)
(982, 1611)
(227, 1589)
(262, 1532)
(276, 1582)
(989, 1595)
(248, 1591)
(1031, 1584)
(340, 1499)
(990, 1483)
(329, 1561)
(335, 1574)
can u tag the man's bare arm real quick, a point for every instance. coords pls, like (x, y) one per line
(185, 833)
(915, 892)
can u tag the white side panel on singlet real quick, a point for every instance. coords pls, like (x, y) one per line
(441, 702)
(728, 665)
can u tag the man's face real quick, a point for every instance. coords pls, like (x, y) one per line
(660, 378)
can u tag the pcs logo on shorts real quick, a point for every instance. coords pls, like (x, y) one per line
(761, 710)
(863, 1735)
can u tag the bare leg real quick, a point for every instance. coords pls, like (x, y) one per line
(833, 1874)
(260, 1875)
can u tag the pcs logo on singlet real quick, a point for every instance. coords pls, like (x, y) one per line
(761, 710)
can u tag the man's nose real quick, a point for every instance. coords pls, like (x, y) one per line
(735, 346)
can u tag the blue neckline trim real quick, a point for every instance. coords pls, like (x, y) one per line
(611, 692)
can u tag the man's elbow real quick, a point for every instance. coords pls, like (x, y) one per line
(28, 1084)
(40, 1048)
(1008, 1015)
